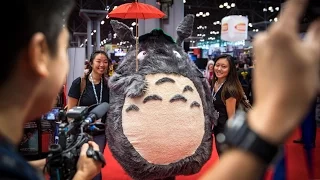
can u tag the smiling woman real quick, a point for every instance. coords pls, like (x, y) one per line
(227, 93)
(95, 90)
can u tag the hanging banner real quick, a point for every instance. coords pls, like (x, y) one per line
(234, 28)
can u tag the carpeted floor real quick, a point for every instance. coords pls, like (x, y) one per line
(296, 163)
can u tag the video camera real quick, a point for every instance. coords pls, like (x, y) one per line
(63, 156)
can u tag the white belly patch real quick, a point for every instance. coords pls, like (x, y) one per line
(167, 124)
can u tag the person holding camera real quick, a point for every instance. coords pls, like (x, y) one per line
(36, 64)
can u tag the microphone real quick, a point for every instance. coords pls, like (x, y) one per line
(97, 113)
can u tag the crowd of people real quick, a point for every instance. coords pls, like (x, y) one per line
(36, 65)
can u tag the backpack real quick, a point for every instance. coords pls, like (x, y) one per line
(83, 83)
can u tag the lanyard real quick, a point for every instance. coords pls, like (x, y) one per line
(94, 90)
(215, 92)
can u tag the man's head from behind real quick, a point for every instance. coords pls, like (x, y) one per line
(35, 59)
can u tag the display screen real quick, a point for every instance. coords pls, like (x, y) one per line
(193, 57)
(205, 53)
(52, 115)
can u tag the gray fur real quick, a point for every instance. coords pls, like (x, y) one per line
(123, 31)
(159, 58)
(185, 28)
(132, 85)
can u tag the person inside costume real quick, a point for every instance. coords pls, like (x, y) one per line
(92, 89)
(160, 119)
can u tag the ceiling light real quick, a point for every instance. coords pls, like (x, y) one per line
(228, 7)
(277, 8)
(265, 10)
(207, 14)
(226, 4)
(102, 22)
(233, 5)
(221, 6)
(200, 13)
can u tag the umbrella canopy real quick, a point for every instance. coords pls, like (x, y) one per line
(136, 10)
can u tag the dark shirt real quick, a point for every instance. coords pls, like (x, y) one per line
(88, 97)
(220, 106)
(250, 77)
(13, 166)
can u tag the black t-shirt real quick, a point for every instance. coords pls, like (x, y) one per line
(13, 166)
(220, 106)
(250, 70)
(88, 97)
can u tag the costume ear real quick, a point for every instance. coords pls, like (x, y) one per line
(123, 31)
(184, 30)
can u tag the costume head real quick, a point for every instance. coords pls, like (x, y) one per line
(160, 119)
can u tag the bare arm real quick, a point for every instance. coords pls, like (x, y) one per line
(235, 164)
(251, 167)
(38, 164)
(72, 102)
(231, 106)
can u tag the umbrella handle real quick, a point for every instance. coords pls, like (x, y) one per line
(137, 45)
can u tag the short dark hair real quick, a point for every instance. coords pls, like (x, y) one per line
(47, 17)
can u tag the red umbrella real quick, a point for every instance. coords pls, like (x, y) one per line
(136, 10)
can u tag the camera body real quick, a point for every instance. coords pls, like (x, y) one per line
(63, 156)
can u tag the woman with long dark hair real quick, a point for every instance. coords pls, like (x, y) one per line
(227, 91)
(94, 91)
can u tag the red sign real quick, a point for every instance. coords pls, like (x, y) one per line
(224, 27)
(241, 27)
